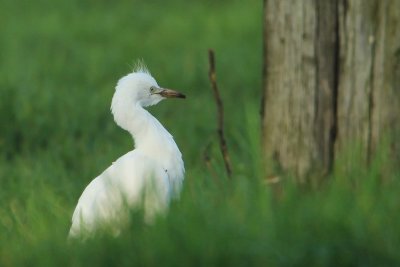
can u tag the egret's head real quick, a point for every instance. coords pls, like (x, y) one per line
(140, 88)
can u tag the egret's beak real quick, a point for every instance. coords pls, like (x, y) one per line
(168, 93)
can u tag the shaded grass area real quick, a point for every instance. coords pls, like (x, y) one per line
(233, 223)
(60, 62)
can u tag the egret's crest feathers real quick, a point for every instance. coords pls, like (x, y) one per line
(140, 67)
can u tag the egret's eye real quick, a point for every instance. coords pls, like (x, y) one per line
(152, 89)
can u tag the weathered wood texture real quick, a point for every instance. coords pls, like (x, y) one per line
(327, 51)
(331, 78)
(369, 87)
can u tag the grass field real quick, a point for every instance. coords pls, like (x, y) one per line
(60, 61)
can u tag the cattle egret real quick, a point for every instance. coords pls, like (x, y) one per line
(147, 176)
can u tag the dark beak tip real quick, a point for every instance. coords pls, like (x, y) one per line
(168, 93)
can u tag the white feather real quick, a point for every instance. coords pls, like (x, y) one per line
(148, 176)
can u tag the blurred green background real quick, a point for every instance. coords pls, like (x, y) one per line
(59, 63)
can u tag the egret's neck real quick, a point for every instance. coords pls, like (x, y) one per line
(149, 135)
(140, 124)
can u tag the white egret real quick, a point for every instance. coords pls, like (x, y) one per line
(147, 176)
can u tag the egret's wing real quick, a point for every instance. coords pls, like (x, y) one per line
(131, 179)
(89, 208)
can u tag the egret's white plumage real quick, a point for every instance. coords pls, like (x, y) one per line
(149, 175)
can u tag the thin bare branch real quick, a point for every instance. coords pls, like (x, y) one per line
(220, 111)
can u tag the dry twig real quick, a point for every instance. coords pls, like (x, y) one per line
(220, 110)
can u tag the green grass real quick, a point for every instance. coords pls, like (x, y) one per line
(59, 64)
